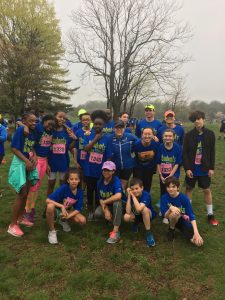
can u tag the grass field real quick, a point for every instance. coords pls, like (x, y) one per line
(83, 266)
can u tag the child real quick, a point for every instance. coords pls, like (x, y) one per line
(43, 140)
(169, 158)
(109, 191)
(98, 151)
(23, 173)
(139, 209)
(63, 140)
(66, 202)
(176, 207)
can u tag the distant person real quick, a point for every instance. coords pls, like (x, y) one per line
(139, 209)
(149, 122)
(124, 116)
(78, 125)
(3, 138)
(109, 125)
(170, 123)
(199, 160)
(222, 128)
(176, 207)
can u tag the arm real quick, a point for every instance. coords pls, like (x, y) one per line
(138, 206)
(19, 154)
(173, 210)
(197, 239)
(112, 199)
(3, 134)
(56, 204)
(88, 147)
(128, 204)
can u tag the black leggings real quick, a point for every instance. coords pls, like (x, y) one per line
(145, 175)
(92, 201)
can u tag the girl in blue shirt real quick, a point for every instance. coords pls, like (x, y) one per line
(63, 140)
(109, 191)
(98, 151)
(146, 151)
(22, 173)
(66, 203)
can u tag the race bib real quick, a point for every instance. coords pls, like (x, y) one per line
(95, 158)
(68, 202)
(198, 159)
(59, 148)
(166, 168)
(46, 141)
(83, 155)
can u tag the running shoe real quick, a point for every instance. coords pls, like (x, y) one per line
(212, 220)
(114, 237)
(15, 230)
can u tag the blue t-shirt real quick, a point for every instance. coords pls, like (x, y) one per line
(146, 155)
(58, 157)
(179, 133)
(108, 128)
(146, 199)
(182, 202)
(64, 195)
(198, 158)
(24, 144)
(3, 138)
(99, 153)
(128, 130)
(105, 191)
(167, 159)
(155, 125)
(81, 142)
(43, 140)
(76, 127)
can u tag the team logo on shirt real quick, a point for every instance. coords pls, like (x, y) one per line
(28, 145)
(68, 202)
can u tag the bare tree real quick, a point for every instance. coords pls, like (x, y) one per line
(130, 44)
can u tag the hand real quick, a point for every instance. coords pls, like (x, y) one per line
(174, 210)
(189, 174)
(211, 173)
(197, 240)
(102, 204)
(48, 170)
(77, 165)
(155, 138)
(162, 178)
(128, 191)
(64, 212)
(29, 165)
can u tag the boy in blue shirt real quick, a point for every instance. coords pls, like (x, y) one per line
(139, 209)
(176, 207)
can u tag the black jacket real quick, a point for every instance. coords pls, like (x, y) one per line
(190, 148)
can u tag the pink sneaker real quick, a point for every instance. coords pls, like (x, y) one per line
(26, 222)
(15, 230)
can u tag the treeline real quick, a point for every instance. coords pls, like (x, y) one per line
(213, 110)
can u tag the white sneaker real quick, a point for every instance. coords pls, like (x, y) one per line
(66, 227)
(52, 237)
(165, 221)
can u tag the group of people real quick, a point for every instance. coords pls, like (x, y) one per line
(115, 164)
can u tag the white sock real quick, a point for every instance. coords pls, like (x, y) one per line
(190, 200)
(209, 208)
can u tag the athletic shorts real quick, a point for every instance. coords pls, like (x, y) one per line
(187, 232)
(203, 182)
(42, 164)
(124, 174)
(139, 218)
(53, 175)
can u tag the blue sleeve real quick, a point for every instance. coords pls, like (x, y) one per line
(182, 135)
(179, 155)
(98, 190)
(159, 135)
(79, 204)
(58, 195)
(164, 204)
(146, 199)
(188, 208)
(108, 150)
(3, 134)
(117, 186)
(137, 130)
(17, 141)
(158, 156)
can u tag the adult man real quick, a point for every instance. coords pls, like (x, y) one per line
(149, 121)
(199, 160)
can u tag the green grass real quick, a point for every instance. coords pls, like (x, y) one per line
(83, 266)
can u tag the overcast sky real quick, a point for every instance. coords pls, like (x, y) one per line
(205, 74)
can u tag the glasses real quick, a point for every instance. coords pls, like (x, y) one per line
(106, 170)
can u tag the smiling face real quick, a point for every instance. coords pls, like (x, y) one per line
(86, 121)
(107, 174)
(60, 118)
(169, 119)
(124, 118)
(172, 190)
(119, 131)
(98, 125)
(149, 113)
(147, 135)
(30, 121)
(137, 190)
(168, 137)
(49, 125)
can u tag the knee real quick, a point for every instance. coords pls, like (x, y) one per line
(146, 211)
(82, 220)
(207, 191)
(50, 209)
(126, 218)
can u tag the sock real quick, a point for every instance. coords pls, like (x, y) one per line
(148, 231)
(209, 208)
(190, 200)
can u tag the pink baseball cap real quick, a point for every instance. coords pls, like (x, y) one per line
(109, 165)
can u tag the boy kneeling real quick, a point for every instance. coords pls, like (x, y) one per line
(176, 207)
(139, 209)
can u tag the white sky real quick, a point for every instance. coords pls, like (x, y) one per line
(205, 74)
